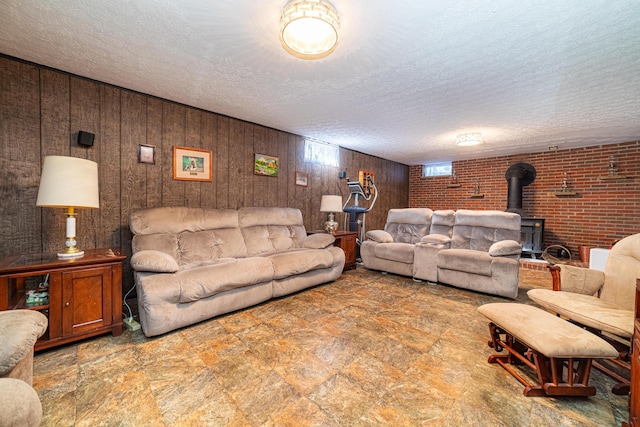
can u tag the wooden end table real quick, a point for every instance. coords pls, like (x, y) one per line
(84, 294)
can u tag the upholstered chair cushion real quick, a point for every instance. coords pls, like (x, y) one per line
(621, 271)
(580, 280)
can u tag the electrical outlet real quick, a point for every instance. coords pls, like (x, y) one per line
(131, 324)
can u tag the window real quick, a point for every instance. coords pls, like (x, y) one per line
(437, 169)
(321, 152)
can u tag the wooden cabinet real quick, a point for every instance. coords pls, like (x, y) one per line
(634, 395)
(84, 294)
(345, 240)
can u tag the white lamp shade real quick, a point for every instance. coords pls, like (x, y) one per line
(68, 182)
(331, 204)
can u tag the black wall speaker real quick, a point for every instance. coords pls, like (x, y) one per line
(85, 138)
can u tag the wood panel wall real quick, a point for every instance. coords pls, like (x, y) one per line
(42, 111)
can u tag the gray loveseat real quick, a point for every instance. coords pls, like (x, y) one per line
(193, 264)
(471, 249)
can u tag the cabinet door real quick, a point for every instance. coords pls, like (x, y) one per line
(348, 245)
(86, 300)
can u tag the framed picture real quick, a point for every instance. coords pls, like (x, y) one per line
(146, 154)
(266, 165)
(192, 164)
(302, 179)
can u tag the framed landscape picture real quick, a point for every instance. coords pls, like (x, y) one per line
(266, 165)
(192, 164)
(302, 179)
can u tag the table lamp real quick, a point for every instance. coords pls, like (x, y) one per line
(331, 204)
(70, 183)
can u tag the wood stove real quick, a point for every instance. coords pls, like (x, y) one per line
(532, 236)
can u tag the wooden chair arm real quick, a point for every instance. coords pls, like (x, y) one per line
(555, 275)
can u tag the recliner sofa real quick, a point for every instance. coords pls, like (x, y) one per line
(192, 264)
(470, 249)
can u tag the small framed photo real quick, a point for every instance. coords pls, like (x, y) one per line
(302, 179)
(147, 154)
(192, 164)
(266, 165)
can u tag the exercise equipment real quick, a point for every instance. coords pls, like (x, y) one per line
(364, 188)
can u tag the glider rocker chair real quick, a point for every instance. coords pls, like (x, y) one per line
(601, 302)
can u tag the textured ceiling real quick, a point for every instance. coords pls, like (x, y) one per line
(406, 77)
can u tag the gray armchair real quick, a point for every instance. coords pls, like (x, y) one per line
(19, 330)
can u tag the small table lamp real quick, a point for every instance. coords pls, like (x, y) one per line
(331, 204)
(69, 182)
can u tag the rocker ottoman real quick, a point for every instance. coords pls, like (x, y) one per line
(547, 344)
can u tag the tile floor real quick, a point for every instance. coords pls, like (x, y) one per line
(368, 349)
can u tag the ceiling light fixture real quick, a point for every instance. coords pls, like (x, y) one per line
(309, 28)
(469, 139)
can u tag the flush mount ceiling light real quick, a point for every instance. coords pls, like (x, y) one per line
(468, 139)
(309, 28)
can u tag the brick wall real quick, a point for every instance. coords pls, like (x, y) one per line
(601, 211)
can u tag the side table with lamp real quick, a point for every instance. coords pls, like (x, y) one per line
(79, 291)
(346, 240)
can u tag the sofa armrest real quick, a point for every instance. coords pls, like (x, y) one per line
(437, 239)
(379, 236)
(20, 403)
(154, 261)
(505, 248)
(318, 241)
(568, 278)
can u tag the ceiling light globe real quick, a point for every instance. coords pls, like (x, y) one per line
(309, 29)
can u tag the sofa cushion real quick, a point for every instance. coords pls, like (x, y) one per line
(175, 220)
(167, 243)
(298, 261)
(408, 225)
(466, 260)
(209, 245)
(442, 222)
(153, 261)
(318, 241)
(379, 236)
(400, 252)
(222, 275)
(478, 230)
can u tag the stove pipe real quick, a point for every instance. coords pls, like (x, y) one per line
(518, 176)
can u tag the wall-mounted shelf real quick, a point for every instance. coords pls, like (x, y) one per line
(477, 196)
(565, 193)
(611, 177)
(454, 185)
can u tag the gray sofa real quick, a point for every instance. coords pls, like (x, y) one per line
(470, 249)
(193, 264)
